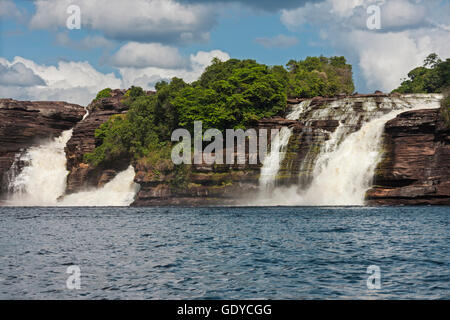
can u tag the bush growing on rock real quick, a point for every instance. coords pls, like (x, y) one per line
(432, 77)
(105, 93)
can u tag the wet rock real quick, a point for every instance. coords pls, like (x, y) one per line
(416, 165)
(24, 124)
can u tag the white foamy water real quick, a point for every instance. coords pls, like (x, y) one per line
(298, 109)
(43, 179)
(42, 182)
(344, 169)
(120, 191)
(274, 158)
(272, 161)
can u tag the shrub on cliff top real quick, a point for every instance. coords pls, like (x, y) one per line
(105, 93)
(432, 77)
(319, 76)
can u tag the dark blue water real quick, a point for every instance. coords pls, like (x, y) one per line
(225, 253)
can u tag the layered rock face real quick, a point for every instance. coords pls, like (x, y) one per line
(415, 169)
(206, 184)
(316, 125)
(82, 175)
(239, 184)
(24, 124)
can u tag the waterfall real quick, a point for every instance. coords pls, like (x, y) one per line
(298, 109)
(278, 145)
(343, 174)
(42, 182)
(43, 179)
(273, 160)
(343, 169)
(120, 191)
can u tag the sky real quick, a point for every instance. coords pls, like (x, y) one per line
(45, 54)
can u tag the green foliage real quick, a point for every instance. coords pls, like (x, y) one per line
(231, 94)
(105, 93)
(146, 127)
(134, 92)
(319, 76)
(432, 77)
(445, 107)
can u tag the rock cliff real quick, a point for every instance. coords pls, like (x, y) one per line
(24, 124)
(82, 175)
(415, 169)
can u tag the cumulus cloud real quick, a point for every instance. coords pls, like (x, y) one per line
(164, 21)
(147, 77)
(141, 55)
(279, 41)
(410, 30)
(79, 82)
(76, 82)
(266, 5)
(17, 74)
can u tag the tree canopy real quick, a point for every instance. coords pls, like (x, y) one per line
(231, 94)
(432, 77)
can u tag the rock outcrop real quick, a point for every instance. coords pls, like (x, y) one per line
(24, 124)
(415, 169)
(82, 175)
(204, 184)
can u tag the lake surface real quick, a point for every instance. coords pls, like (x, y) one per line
(225, 253)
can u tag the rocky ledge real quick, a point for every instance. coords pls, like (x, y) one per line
(24, 124)
(415, 169)
(82, 175)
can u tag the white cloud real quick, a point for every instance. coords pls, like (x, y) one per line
(164, 21)
(266, 5)
(400, 14)
(17, 74)
(385, 59)
(279, 41)
(79, 82)
(410, 30)
(141, 55)
(147, 77)
(76, 82)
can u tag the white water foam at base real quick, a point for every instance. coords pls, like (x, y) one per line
(42, 182)
(344, 170)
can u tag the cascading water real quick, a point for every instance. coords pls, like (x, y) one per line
(342, 175)
(273, 160)
(120, 191)
(42, 181)
(342, 171)
(277, 148)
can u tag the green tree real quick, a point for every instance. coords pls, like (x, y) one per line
(432, 77)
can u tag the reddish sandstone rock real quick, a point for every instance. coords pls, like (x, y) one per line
(416, 165)
(83, 141)
(24, 124)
